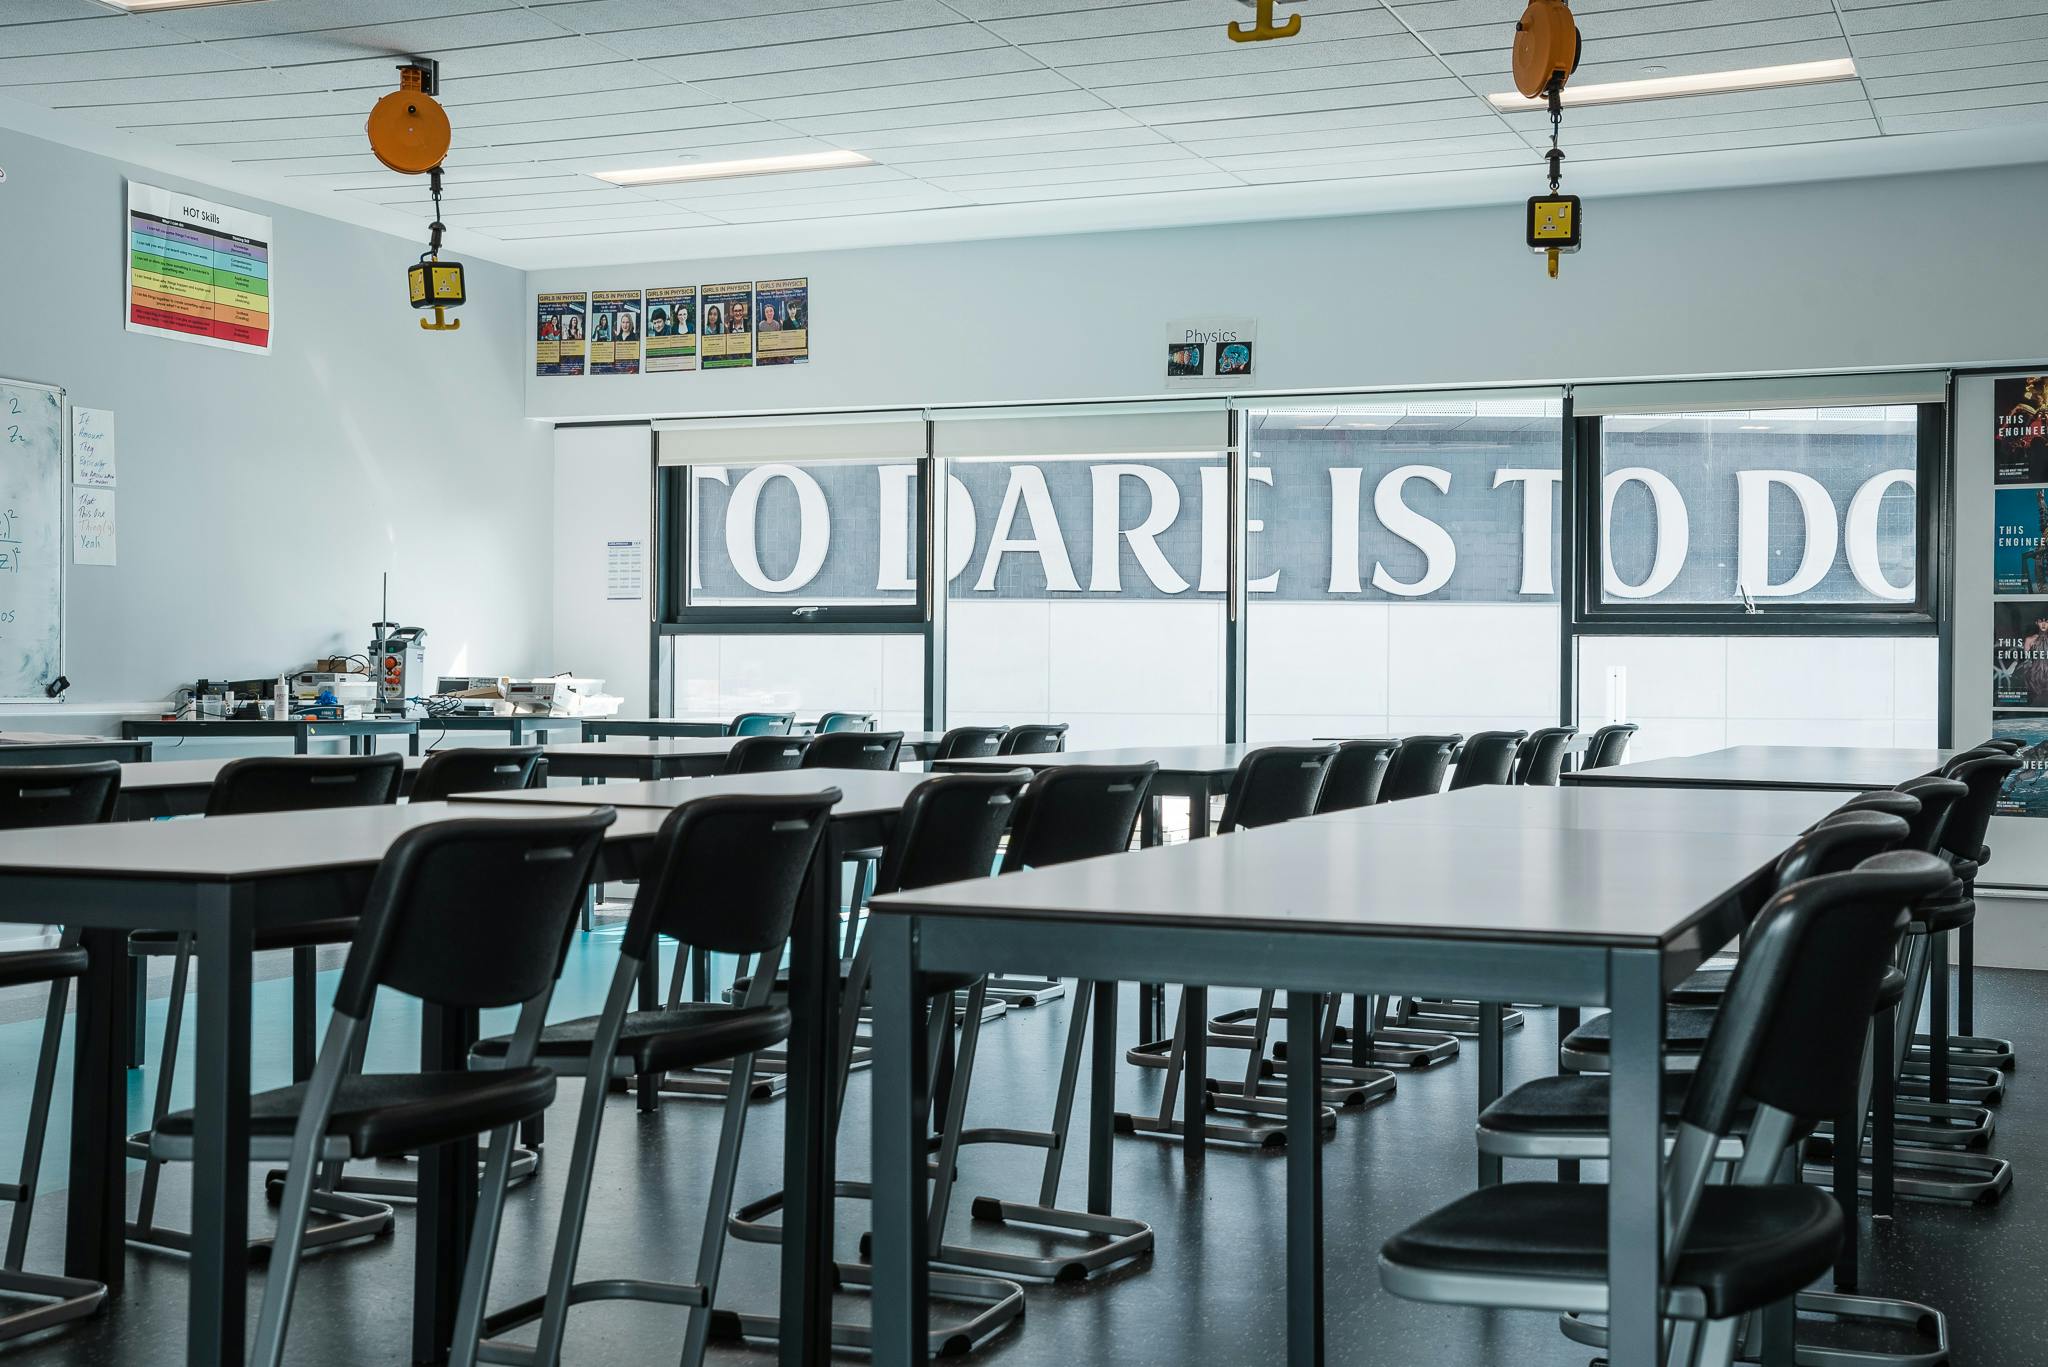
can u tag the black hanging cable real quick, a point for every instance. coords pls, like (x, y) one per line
(437, 227)
(1555, 155)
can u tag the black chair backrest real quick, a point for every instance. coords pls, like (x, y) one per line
(762, 724)
(951, 828)
(764, 755)
(474, 912)
(1488, 757)
(1609, 745)
(1970, 819)
(1077, 811)
(1034, 738)
(58, 794)
(1417, 768)
(1790, 1031)
(1540, 759)
(481, 769)
(830, 722)
(1278, 783)
(725, 872)
(2009, 745)
(969, 742)
(300, 783)
(1937, 798)
(1354, 776)
(1841, 841)
(853, 750)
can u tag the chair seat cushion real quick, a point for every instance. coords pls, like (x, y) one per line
(41, 965)
(1685, 1031)
(1707, 986)
(333, 930)
(1570, 1104)
(1748, 1246)
(386, 1114)
(685, 1036)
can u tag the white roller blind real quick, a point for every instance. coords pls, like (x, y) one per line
(821, 436)
(1808, 391)
(1083, 430)
(1421, 403)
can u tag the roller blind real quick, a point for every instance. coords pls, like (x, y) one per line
(1808, 391)
(1083, 430)
(822, 436)
(1421, 403)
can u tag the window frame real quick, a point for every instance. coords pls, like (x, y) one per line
(1585, 549)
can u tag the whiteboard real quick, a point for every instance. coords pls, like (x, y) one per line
(32, 537)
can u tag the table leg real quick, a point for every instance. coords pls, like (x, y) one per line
(138, 1005)
(805, 1337)
(1489, 1080)
(1101, 1098)
(300, 739)
(1635, 1211)
(446, 1209)
(901, 1278)
(1304, 1185)
(1198, 812)
(95, 1245)
(1194, 1083)
(219, 1266)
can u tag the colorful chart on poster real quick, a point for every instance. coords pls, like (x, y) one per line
(615, 332)
(728, 334)
(558, 334)
(671, 329)
(782, 322)
(198, 271)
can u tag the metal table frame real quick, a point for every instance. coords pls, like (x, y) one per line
(360, 733)
(522, 730)
(85, 750)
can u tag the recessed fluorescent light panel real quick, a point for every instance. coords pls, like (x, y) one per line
(750, 166)
(138, 6)
(1707, 83)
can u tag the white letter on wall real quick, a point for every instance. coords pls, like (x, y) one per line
(1439, 552)
(1344, 481)
(1674, 533)
(716, 474)
(1027, 488)
(1216, 526)
(1106, 577)
(814, 528)
(1536, 496)
(960, 528)
(893, 549)
(1862, 538)
(1753, 532)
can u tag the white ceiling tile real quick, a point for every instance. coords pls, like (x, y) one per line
(1208, 180)
(913, 95)
(1068, 101)
(768, 66)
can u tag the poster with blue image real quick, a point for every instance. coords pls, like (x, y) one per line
(2026, 789)
(2019, 558)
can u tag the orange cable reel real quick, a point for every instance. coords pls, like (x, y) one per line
(409, 133)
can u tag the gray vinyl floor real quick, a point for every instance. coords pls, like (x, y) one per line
(1211, 1294)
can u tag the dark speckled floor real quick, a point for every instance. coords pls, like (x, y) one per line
(1211, 1294)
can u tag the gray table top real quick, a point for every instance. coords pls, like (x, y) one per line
(1823, 767)
(646, 746)
(1438, 880)
(226, 849)
(195, 773)
(862, 791)
(200, 726)
(1201, 760)
(1770, 812)
(470, 721)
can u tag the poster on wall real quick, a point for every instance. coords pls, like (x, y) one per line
(2026, 789)
(728, 335)
(2020, 432)
(615, 332)
(1210, 353)
(198, 271)
(2019, 652)
(671, 329)
(558, 334)
(2019, 557)
(782, 331)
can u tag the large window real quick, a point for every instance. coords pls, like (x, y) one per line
(718, 676)
(1403, 565)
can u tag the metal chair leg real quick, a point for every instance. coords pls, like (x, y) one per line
(483, 1250)
(167, 1064)
(711, 1247)
(38, 1125)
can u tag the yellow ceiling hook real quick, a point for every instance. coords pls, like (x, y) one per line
(440, 323)
(1264, 29)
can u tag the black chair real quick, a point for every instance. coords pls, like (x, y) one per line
(761, 724)
(764, 755)
(478, 769)
(1784, 1055)
(831, 722)
(37, 796)
(1034, 738)
(1417, 767)
(969, 742)
(468, 914)
(1355, 774)
(1966, 847)
(1488, 758)
(1540, 759)
(724, 875)
(249, 787)
(1609, 745)
(853, 750)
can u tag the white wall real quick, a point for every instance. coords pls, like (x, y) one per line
(1748, 281)
(603, 492)
(261, 497)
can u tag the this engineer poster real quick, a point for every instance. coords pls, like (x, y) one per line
(2020, 434)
